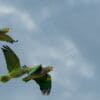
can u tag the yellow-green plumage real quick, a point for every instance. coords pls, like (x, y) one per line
(12, 61)
(5, 37)
(13, 65)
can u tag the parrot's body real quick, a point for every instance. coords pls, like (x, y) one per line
(5, 37)
(37, 73)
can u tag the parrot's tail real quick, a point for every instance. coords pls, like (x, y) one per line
(5, 78)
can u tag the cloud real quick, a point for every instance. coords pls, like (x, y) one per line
(71, 69)
(45, 13)
(78, 2)
(27, 20)
(6, 10)
(19, 16)
(87, 71)
(73, 60)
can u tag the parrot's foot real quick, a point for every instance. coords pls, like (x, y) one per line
(5, 78)
(14, 41)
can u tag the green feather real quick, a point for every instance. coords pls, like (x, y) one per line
(12, 60)
(5, 37)
(44, 83)
(35, 69)
(5, 78)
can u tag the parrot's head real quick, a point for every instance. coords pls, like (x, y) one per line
(48, 69)
(6, 29)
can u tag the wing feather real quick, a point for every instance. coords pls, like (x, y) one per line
(36, 69)
(44, 84)
(4, 36)
(7, 38)
(11, 58)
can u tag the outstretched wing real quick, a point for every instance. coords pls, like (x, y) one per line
(11, 58)
(5, 37)
(44, 84)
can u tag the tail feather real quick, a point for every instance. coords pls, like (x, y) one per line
(5, 78)
(26, 79)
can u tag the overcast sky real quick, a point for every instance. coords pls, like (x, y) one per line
(62, 33)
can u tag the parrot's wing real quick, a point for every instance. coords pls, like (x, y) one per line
(36, 69)
(44, 84)
(11, 58)
(5, 37)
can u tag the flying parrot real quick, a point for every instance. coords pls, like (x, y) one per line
(37, 73)
(14, 67)
(5, 37)
(41, 77)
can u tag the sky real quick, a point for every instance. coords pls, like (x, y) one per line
(61, 33)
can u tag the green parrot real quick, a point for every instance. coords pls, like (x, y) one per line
(14, 67)
(41, 77)
(5, 37)
(37, 73)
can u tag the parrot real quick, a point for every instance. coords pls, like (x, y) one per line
(5, 37)
(14, 67)
(41, 77)
(37, 73)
